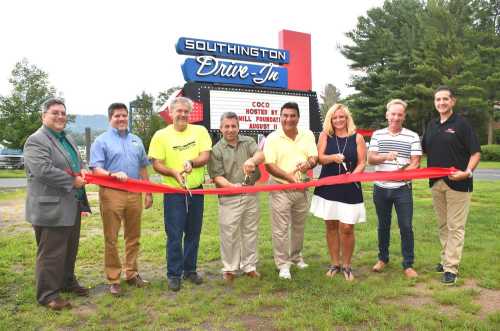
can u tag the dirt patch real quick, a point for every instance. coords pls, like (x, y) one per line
(409, 301)
(253, 322)
(85, 311)
(488, 299)
(11, 212)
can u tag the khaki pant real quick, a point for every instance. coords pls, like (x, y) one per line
(452, 208)
(288, 217)
(117, 207)
(239, 226)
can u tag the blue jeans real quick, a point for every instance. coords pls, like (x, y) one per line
(182, 226)
(402, 199)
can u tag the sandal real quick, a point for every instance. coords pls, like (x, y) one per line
(333, 270)
(348, 273)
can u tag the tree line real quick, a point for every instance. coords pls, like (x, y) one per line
(407, 48)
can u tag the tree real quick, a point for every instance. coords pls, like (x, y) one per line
(20, 111)
(141, 110)
(407, 48)
(329, 97)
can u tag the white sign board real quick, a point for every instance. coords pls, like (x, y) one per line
(256, 111)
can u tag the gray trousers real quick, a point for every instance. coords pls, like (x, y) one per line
(55, 259)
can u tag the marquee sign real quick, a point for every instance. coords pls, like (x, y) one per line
(207, 67)
(258, 109)
(252, 81)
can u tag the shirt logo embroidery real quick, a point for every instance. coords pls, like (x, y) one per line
(184, 147)
(449, 130)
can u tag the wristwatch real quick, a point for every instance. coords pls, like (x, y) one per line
(470, 172)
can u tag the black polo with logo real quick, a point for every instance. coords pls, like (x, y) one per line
(450, 144)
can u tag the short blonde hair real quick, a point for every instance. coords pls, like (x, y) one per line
(396, 102)
(327, 124)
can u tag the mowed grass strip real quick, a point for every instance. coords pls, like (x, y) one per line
(310, 301)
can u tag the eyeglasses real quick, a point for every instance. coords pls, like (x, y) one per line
(56, 114)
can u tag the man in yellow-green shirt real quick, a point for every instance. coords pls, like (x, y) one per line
(289, 152)
(179, 153)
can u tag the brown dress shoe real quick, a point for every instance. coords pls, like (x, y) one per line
(137, 281)
(253, 274)
(379, 266)
(228, 277)
(78, 290)
(115, 289)
(410, 273)
(58, 304)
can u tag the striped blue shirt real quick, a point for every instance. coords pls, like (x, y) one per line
(406, 143)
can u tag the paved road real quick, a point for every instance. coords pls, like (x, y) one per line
(479, 174)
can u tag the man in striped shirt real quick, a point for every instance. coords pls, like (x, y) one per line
(394, 148)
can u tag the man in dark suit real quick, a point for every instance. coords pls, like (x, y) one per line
(55, 199)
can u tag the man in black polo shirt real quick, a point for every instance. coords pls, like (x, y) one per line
(450, 141)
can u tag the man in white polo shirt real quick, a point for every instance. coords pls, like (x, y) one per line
(394, 148)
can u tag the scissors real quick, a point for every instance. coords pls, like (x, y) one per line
(345, 168)
(402, 168)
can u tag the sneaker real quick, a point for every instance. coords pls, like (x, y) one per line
(449, 278)
(285, 273)
(439, 268)
(194, 278)
(301, 264)
(174, 284)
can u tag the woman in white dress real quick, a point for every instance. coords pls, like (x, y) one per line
(341, 150)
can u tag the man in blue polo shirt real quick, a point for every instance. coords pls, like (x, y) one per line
(121, 154)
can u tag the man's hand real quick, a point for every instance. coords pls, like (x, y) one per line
(391, 156)
(303, 166)
(248, 166)
(459, 175)
(148, 200)
(178, 177)
(79, 182)
(120, 175)
(291, 177)
(85, 172)
(188, 166)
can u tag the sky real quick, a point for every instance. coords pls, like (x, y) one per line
(99, 52)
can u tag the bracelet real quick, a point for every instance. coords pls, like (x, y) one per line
(191, 163)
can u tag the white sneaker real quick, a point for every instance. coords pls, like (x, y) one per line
(302, 265)
(285, 273)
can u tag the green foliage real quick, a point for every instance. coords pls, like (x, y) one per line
(329, 97)
(407, 48)
(20, 111)
(490, 153)
(145, 122)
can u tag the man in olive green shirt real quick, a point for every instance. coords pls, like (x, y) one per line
(233, 162)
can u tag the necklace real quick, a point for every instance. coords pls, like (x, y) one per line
(343, 150)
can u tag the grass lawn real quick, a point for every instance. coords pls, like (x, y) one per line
(7, 173)
(385, 301)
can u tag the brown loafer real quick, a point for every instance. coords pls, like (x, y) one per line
(253, 274)
(228, 277)
(58, 304)
(410, 273)
(379, 266)
(78, 290)
(137, 281)
(115, 289)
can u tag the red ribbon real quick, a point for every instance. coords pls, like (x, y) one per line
(140, 186)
